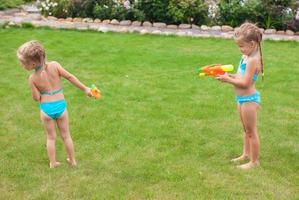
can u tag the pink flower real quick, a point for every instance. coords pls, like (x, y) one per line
(127, 4)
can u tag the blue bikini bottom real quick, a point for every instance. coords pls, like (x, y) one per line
(255, 97)
(53, 109)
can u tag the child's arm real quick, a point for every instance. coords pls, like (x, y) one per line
(245, 81)
(34, 91)
(73, 79)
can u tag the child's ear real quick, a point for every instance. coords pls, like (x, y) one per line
(253, 44)
(33, 65)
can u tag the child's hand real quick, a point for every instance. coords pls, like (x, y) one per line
(88, 92)
(223, 78)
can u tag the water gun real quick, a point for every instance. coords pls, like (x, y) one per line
(214, 70)
(96, 93)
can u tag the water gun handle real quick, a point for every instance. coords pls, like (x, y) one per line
(95, 91)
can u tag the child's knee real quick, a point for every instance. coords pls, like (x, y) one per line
(51, 136)
(65, 135)
(250, 132)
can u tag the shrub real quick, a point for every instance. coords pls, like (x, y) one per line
(62, 9)
(187, 11)
(293, 25)
(277, 13)
(266, 13)
(102, 11)
(117, 10)
(235, 12)
(46, 6)
(81, 8)
(154, 10)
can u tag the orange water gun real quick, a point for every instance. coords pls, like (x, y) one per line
(96, 93)
(214, 70)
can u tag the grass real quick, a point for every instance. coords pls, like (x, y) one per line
(159, 132)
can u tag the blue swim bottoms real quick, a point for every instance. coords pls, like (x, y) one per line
(53, 109)
(255, 97)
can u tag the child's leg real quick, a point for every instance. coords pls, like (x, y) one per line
(246, 144)
(63, 124)
(49, 125)
(249, 116)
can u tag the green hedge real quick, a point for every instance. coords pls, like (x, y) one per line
(266, 13)
(168, 11)
(277, 14)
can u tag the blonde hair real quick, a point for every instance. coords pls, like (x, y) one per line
(32, 51)
(249, 32)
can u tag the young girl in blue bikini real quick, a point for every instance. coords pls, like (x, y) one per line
(248, 37)
(46, 88)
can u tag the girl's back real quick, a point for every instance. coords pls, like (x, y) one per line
(47, 81)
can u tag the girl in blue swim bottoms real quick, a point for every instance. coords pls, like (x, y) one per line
(248, 38)
(46, 88)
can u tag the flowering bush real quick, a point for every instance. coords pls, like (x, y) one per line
(46, 7)
(279, 14)
(266, 13)
(117, 9)
(293, 24)
(213, 14)
(235, 12)
(174, 11)
(57, 8)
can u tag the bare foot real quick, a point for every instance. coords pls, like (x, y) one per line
(239, 159)
(249, 165)
(71, 163)
(54, 165)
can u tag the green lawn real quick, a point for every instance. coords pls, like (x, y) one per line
(159, 132)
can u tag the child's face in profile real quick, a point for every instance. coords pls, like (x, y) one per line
(246, 48)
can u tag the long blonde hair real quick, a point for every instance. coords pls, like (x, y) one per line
(32, 51)
(250, 32)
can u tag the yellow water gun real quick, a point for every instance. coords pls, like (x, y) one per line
(214, 70)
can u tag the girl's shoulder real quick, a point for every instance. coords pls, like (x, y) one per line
(52, 64)
(253, 59)
(254, 62)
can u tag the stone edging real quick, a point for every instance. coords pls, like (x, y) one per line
(16, 17)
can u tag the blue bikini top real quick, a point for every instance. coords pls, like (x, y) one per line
(242, 69)
(52, 92)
